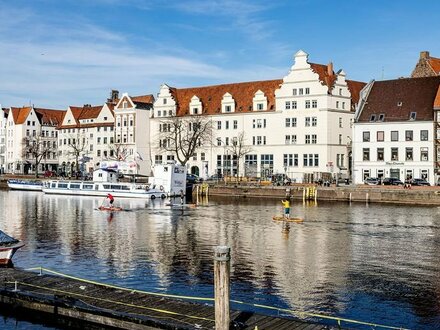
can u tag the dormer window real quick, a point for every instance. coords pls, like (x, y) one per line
(381, 117)
(195, 111)
(125, 104)
(227, 108)
(373, 117)
(260, 106)
(412, 116)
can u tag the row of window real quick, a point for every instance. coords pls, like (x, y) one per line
(394, 136)
(308, 122)
(158, 159)
(308, 139)
(234, 124)
(394, 154)
(307, 104)
(309, 160)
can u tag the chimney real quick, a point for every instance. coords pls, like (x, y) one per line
(424, 55)
(330, 69)
(87, 105)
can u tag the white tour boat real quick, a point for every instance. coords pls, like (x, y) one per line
(105, 181)
(34, 185)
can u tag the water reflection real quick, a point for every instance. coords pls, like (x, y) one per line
(376, 263)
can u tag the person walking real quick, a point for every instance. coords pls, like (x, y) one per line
(286, 206)
(182, 195)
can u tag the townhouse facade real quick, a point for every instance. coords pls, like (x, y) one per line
(30, 123)
(397, 131)
(132, 131)
(299, 125)
(86, 136)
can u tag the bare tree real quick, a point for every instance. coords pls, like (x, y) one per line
(36, 148)
(118, 151)
(77, 147)
(184, 136)
(238, 149)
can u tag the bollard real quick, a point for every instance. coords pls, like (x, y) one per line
(15, 286)
(222, 262)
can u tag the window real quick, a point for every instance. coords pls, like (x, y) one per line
(366, 154)
(373, 117)
(314, 103)
(314, 121)
(314, 139)
(98, 140)
(287, 122)
(290, 139)
(380, 136)
(98, 153)
(235, 124)
(294, 92)
(310, 160)
(164, 101)
(423, 135)
(219, 141)
(340, 122)
(307, 139)
(158, 159)
(381, 117)
(424, 154)
(195, 111)
(227, 108)
(307, 90)
(290, 160)
(259, 106)
(294, 105)
(337, 104)
(202, 156)
(394, 154)
(394, 135)
(408, 135)
(340, 91)
(408, 153)
(340, 139)
(287, 105)
(366, 136)
(343, 105)
(300, 91)
(293, 122)
(380, 154)
(308, 104)
(227, 124)
(307, 121)
(412, 116)
(219, 124)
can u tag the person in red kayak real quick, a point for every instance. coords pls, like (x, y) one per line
(111, 199)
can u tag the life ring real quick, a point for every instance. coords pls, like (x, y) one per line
(163, 196)
(153, 197)
(161, 188)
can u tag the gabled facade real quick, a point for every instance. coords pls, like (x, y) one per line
(132, 130)
(30, 122)
(394, 133)
(299, 125)
(89, 130)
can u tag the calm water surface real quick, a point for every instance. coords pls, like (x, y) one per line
(374, 263)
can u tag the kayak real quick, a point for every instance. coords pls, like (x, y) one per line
(282, 218)
(109, 208)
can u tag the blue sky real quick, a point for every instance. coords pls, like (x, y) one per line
(56, 53)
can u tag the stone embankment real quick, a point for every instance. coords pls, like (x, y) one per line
(359, 193)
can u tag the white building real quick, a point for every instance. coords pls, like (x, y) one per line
(132, 130)
(394, 133)
(3, 122)
(299, 125)
(88, 132)
(30, 122)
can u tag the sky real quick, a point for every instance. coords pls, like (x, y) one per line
(56, 53)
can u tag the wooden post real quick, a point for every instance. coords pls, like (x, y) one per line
(222, 259)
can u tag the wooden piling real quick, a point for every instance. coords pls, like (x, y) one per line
(222, 262)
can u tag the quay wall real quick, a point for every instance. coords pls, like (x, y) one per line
(371, 194)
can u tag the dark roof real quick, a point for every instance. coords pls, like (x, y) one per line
(396, 99)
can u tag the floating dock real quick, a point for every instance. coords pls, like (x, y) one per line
(66, 300)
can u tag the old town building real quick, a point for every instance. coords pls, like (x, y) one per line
(396, 130)
(299, 125)
(427, 66)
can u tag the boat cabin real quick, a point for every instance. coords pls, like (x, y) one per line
(105, 175)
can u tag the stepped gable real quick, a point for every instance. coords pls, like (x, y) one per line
(396, 99)
(211, 96)
(50, 117)
(20, 114)
(6, 239)
(427, 66)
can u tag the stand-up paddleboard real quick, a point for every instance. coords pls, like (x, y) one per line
(282, 218)
(110, 208)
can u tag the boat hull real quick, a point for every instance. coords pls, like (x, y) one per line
(7, 252)
(110, 208)
(25, 185)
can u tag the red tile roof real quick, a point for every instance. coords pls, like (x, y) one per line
(20, 114)
(50, 116)
(211, 96)
(143, 98)
(86, 112)
(398, 98)
(435, 64)
(355, 88)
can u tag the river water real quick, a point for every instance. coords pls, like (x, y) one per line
(373, 263)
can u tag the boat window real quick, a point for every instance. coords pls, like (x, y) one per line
(106, 186)
(53, 185)
(62, 185)
(74, 186)
(87, 186)
(125, 188)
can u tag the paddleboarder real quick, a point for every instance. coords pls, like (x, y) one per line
(286, 206)
(111, 199)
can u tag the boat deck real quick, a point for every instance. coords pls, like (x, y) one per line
(94, 304)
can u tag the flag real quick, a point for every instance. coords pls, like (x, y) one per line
(138, 156)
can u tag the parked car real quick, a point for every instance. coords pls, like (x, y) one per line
(215, 177)
(420, 182)
(372, 181)
(392, 182)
